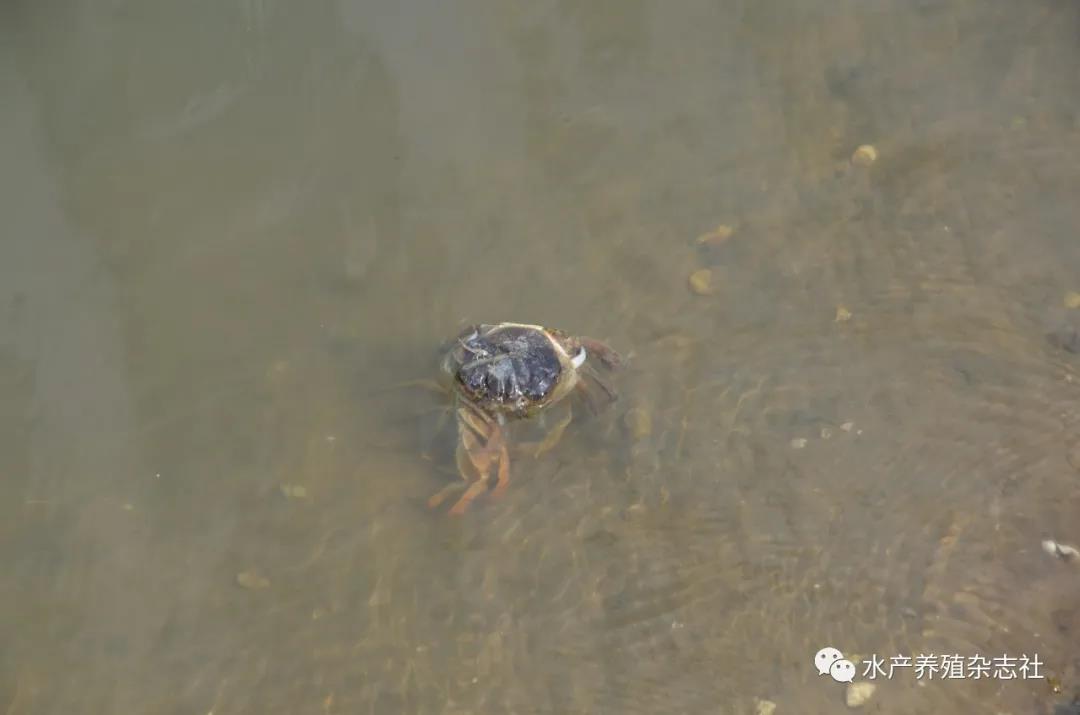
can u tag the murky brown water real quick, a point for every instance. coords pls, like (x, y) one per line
(229, 227)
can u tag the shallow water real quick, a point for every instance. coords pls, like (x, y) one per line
(232, 230)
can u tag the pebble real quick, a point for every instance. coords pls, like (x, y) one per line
(764, 707)
(639, 422)
(842, 314)
(1072, 299)
(252, 579)
(864, 156)
(798, 443)
(701, 282)
(717, 236)
(293, 491)
(1062, 551)
(859, 693)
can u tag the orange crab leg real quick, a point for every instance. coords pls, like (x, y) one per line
(480, 457)
(504, 472)
(481, 426)
(480, 444)
(474, 490)
(436, 499)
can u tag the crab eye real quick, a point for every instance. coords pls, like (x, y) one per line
(579, 359)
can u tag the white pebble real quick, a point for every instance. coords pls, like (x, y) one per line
(859, 693)
(1062, 551)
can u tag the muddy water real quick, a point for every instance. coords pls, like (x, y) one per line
(230, 229)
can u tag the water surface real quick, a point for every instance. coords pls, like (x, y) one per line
(231, 230)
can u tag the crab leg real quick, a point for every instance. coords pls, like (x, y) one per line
(477, 441)
(480, 426)
(443, 494)
(594, 401)
(504, 472)
(552, 438)
(474, 490)
(481, 444)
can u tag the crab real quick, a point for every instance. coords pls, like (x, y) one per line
(514, 371)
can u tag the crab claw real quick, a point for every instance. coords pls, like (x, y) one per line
(607, 356)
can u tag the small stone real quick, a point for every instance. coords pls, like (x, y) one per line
(764, 707)
(798, 443)
(1062, 551)
(717, 236)
(1072, 300)
(842, 314)
(252, 580)
(859, 693)
(639, 422)
(864, 156)
(701, 282)
(826, 432)
(847, 426)
(293, 491)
